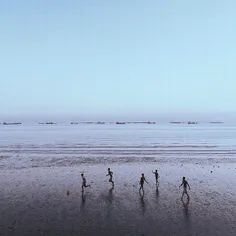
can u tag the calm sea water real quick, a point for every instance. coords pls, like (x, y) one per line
(37, 145)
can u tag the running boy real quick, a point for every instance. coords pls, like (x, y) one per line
(185, 185)
(84, 185)
(142, 182)
(110, 173)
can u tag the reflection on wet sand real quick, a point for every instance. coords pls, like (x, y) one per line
(186, 212)
(110, 195)
(103, 210)
(83, 198)
(185, 205)
(142, 203)
(157, 193)
(109, 207)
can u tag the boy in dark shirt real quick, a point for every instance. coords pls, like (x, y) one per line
(156, 176)
(84, 185)
(185, 185)
(110, 173)
(142, 182)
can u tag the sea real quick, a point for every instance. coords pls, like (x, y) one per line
(42, 145)
(40, 184)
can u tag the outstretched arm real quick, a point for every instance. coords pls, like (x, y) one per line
(145, 181)
(188, 186)
(181, 185)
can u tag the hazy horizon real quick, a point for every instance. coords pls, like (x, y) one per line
(138, 117)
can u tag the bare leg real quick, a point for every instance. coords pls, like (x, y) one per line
(187, 194)
(110, 180)
(85, 186)
(141, 187)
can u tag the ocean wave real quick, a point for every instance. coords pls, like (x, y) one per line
(83, 146)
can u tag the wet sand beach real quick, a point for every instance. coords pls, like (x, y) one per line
(34, 201)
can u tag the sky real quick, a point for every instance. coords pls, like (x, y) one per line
(99, 59)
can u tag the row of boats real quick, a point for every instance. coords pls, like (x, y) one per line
(13, 123)
(118, 123)
(180, 122)
(194, 122)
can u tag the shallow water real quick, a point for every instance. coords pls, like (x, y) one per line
(26, 146)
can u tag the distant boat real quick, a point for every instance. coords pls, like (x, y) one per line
(100, 123)
(216, 122)
(176, 122)
(14, 123)
(192, 123)
(47, 123)
(139, 122)
(120, 123)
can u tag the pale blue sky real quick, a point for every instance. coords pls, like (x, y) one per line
(106, 58)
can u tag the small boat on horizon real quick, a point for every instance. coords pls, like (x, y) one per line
(100, 123)
(192, 123)
(151, 122)
(47, 123)
(13, 123)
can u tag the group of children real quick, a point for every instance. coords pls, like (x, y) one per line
(142, 180)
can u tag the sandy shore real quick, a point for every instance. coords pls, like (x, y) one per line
(34, 201)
